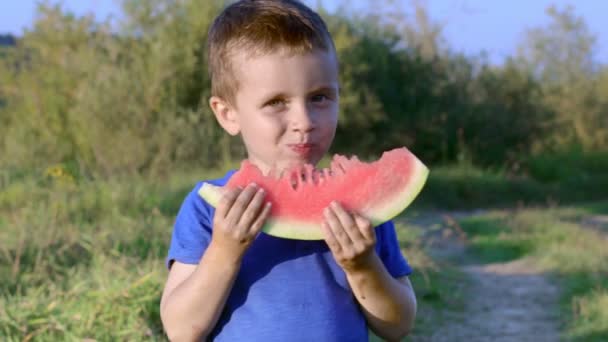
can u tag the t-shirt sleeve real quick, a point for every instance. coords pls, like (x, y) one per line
(192, 230)
(387, 247)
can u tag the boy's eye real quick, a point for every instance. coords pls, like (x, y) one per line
(319, 98)
(275, 103)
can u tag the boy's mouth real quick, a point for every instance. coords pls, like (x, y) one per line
(302, 149)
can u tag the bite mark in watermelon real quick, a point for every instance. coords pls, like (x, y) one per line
(378, 190)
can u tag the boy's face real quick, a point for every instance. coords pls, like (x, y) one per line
(285, 109)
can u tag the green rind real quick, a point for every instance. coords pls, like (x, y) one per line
(310, 231)
(293, 230)
(211, 193)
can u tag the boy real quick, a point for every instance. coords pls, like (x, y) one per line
(274, 76)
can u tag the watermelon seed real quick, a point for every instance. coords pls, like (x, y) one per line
(294, 179)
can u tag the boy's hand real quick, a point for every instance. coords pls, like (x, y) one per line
(239, 217)
(350, 237)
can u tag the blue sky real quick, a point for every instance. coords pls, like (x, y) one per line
(470, 25)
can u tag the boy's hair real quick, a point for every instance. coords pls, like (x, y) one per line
(260, 27)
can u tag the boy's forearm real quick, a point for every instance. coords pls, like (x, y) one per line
(192, 309)
(389, 306)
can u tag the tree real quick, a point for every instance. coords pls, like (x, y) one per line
(110, 102)
(562, 57)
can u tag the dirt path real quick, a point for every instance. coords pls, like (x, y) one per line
(510, 301)
(598, 223)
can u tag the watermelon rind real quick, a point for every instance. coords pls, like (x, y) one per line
(392, 207)
(212, 194)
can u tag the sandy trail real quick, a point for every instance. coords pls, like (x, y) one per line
(512, 301)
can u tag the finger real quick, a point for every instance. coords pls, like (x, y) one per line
(365, 227)
(241, 203)
(347, 222)
(330, 238)
(226, 202)
(336, 228)
(258, 224)
(253, 209)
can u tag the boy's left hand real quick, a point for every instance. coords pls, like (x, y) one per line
(350, 237)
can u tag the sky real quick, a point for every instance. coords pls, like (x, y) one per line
(470, 26)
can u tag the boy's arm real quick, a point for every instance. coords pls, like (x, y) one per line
(389, 304)
(195, 295)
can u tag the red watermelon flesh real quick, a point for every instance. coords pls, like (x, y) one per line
(378, 190)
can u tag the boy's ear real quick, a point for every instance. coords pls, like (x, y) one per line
(225, 114)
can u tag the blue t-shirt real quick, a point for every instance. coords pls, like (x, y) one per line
(286, 290)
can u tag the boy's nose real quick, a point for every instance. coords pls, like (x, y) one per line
(302, 119)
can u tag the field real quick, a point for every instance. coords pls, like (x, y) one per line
(84, 260)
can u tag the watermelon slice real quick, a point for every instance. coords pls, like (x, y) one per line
(378, 190)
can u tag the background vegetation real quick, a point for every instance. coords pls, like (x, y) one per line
(106, 101)
(104, 128)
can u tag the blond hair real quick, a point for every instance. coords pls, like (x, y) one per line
(259, 27)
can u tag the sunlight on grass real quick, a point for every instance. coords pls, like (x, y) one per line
(591, 316)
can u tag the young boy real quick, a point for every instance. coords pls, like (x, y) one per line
(274, 76)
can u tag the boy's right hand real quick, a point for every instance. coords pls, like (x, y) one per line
(239, 217)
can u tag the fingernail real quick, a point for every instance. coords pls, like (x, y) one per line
(261, 190)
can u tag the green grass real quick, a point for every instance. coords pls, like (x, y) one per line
(84, 260)
(566, 178)
(489, 240)
(575, 256)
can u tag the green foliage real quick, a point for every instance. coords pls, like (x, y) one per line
(569, 166)
(562, 56)
(113, 104)
(549, 182)
(132, 99)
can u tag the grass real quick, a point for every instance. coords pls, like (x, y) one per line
(83, 260)
(575, 256)
(545, 180)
